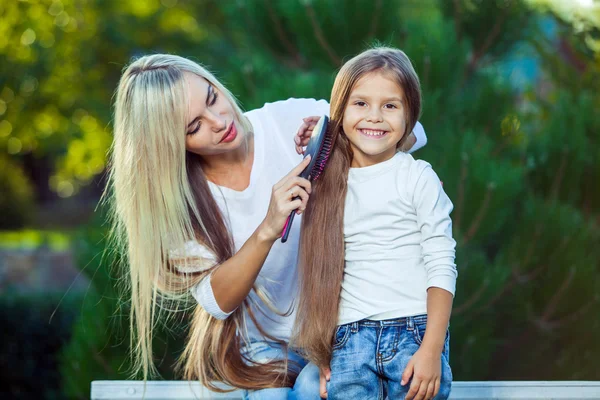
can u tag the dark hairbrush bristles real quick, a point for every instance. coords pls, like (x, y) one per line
(322, 158)
(319, 148)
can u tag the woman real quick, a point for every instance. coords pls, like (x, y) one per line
(200, 193)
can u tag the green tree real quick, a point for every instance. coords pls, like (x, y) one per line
(60, 61)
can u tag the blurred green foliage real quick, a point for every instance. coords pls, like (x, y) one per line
(16, 202)
(59, 64)
(519, 163)
(30, 239)
(34, 329)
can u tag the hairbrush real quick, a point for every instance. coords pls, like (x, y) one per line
(319, 148)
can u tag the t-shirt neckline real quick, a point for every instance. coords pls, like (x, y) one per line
(256, 166)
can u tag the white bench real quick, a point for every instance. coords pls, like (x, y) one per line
(488, 390)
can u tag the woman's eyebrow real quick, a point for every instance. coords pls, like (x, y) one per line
(208, 92)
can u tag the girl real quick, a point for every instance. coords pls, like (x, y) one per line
(200, 192)
(376, 245)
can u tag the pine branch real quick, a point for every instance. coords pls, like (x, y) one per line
(525, 336)
(472, 300)
(522, 279)
(527, 277)
(480, 214)
(501, 146)
(460, 197)
(586, 203)
(570, 56)
(531, 248)
(375, 19)
(310, 12)
(493, 300)
(301, 61)
(457, 19)
(573, 317)
(249, 83)
(518, 279)
(102, 361)
(559, 177)
(250, 22)
(514, 272)
(479, 53)
(544, 322)
(426, 69)
(551, 307)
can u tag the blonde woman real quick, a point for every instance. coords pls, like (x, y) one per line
(200, 192)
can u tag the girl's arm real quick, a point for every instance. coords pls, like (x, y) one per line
(433, 209)
(439, 307)
(426, 364)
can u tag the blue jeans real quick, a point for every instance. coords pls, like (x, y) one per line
(369, 358)
(306, 385)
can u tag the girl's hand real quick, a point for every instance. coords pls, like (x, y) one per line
(304, 132)
(425, 367)
(324, 377)
(282, 201)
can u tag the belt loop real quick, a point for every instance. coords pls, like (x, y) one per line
(354, 327)
(410, 323)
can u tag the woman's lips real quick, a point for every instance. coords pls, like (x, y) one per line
(230, 135)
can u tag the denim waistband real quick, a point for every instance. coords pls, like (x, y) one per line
(404, 321)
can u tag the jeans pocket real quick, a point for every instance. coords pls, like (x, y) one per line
(419, 334)
(342, 332)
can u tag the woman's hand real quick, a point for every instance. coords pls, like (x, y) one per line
(304, 132)
(425, 367)
(324, 377)
(283, 203)
(409, 142)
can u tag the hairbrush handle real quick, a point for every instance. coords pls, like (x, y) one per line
(288, 224)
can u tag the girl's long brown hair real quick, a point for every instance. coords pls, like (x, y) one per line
(322, 237)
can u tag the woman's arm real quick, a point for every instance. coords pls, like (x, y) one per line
(232, 280)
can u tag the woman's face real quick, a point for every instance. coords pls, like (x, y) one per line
(211, 127)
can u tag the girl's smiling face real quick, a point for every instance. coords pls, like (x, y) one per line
(374, 119)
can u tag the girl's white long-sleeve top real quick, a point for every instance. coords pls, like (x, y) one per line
(398, 240)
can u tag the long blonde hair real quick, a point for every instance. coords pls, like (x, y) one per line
(322, 236)
(160, 201)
